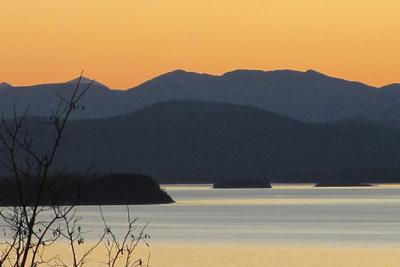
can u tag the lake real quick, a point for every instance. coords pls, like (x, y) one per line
(284, 214)
(280, 225)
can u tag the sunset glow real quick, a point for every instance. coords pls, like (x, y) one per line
(123, 43)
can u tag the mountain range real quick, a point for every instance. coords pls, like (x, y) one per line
(306, 96)
(189, 127)
(193, 141)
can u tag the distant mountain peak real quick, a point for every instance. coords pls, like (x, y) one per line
(177, 75)
(174, 73)
(242, 71)
(392, 86)
(5, 85)
(180, 72)
(317, 74)
(311, 71)
(85, 80)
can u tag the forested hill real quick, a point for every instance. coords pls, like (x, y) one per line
(190, 141)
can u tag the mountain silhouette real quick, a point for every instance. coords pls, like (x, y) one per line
(306, 96)
(42, 99)
(191, 141)
(4, 85)
(85, 81)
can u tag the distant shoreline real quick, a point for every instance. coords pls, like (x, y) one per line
(273, 185)
(76, 190)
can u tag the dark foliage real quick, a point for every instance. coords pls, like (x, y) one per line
(72, 189)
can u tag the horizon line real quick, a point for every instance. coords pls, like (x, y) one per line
(221, 74)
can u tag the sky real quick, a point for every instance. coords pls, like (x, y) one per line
(125, 42)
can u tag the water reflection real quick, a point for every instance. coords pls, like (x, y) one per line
(286, 214)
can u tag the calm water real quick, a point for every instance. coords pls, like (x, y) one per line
(283, 215)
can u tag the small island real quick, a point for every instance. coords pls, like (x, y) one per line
(342, 185)
(73, 189)
(243, 183)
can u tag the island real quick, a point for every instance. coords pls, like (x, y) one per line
(74, 189)
(342, 185)
(242, 183)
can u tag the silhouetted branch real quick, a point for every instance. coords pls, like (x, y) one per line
(38, 220)
(121, 253)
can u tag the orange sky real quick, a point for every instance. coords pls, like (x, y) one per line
(125, 42)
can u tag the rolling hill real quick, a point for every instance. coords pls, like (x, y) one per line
(191, 141)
